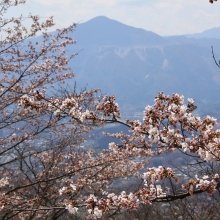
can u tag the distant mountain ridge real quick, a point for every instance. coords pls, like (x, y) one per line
(210, 33)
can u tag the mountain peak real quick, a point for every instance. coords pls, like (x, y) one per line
(105, 31)
(100, 18)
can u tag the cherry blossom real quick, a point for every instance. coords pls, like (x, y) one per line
(45, 173)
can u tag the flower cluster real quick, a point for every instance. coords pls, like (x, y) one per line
(4, 181)
(168, 121)
(207, 185)
(33, 100)
(70, 107)
(70, 206)
(203, 184)
(157, 174)
(109, 108)
(122, 202)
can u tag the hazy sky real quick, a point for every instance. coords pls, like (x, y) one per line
(165, 17)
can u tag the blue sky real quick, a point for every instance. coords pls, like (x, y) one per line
(164, 17)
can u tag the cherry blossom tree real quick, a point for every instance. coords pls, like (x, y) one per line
(45, 173)
(40, 128)
(168, 125)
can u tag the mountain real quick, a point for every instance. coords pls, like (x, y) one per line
(135, 64)
(107, 32)
(210, 33)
